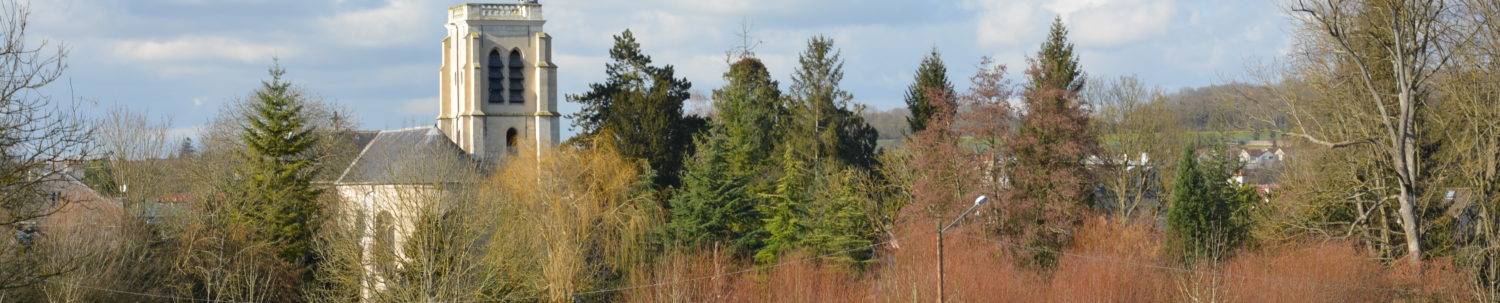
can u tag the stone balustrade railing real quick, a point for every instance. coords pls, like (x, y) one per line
(495, 11)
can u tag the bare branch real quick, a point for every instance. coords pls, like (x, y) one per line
(1331, 144)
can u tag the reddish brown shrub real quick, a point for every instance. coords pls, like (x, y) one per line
(975, 271)
(1110, 266)
(1438, 279)
(811, 281)
(685, 277)
(1326, 272)
(1109, 261)
(716, 278)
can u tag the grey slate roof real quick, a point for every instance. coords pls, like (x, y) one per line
(404, 156)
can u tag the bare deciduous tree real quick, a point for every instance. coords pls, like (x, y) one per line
(1138, 145)
(37, 140)
(1394, 47)
(134, 146)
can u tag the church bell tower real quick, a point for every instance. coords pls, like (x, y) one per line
(499, 86)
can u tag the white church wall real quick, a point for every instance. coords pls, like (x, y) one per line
(401, 201)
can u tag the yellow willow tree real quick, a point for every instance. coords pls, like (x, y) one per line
(573, 220)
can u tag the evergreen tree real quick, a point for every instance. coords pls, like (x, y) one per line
(1053, 141)
(784, 215)
(1206, 216)
(931, 75)
(186, 149)
(274, 192)
(827, 127)
(1056, 64)
(825, 138)
(721, 189)
(842, 226)
(715, 203)
(638, 109)
(1048, 174)
(749, 107)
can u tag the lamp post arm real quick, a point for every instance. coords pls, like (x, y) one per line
(960, 217)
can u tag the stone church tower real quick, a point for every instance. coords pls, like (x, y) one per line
(499, 86)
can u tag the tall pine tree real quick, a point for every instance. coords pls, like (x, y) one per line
(828, 131)
(1053, 141)
(274, 192)
(842, 227)
(1056, 66)
(750, 107)
(825, 139)
(1048, 173)
(931, 75)
(715, 203)
(638, 109)
(1206, 218)
(722, 184)
(786, 214)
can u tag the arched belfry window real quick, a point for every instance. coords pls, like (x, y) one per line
(517, 77)
(497, 77)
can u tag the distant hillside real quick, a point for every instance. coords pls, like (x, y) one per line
(890, 123)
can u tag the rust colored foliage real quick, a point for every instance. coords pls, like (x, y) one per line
(1336, 272)
(944, 170)
(1109, 261)
(1084, 277)
(958, 156)
(1050, 148)
(1049, 186)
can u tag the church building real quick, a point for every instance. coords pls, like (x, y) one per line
(498, 84)
(498, 97)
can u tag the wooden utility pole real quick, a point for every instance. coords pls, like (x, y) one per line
(940, 265)
(977, 202)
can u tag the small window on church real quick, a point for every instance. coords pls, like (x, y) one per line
(512, 138)
(517, 77)
(497, 77)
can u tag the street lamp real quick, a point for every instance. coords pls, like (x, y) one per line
(977, 202)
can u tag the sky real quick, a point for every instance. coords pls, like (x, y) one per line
(184, 59)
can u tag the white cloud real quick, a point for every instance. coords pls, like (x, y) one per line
(220, 2)
(399, 22)
(1004, 23)
(1008, 23)
(199, 48)
(197, 101)
(1065, 7)
(1109, 23)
